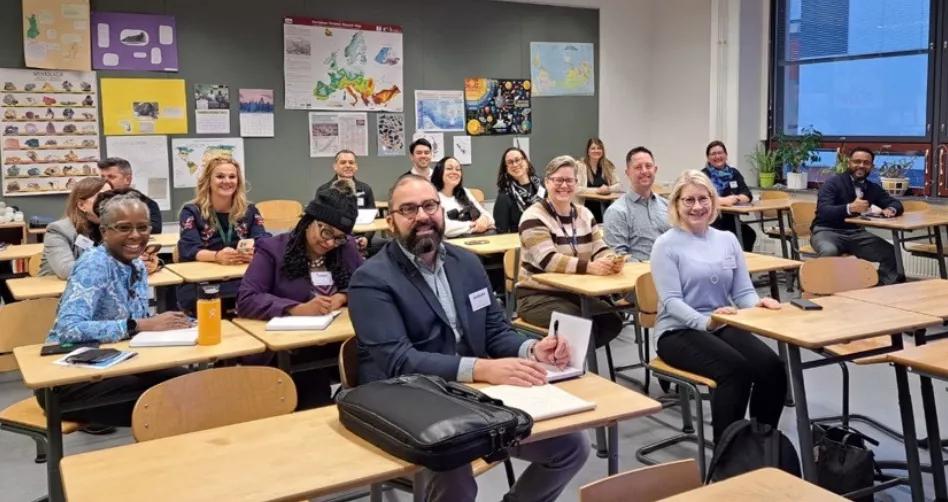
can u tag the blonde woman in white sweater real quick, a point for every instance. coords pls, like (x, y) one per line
(463, 215)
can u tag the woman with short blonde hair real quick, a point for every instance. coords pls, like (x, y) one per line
(691, 177)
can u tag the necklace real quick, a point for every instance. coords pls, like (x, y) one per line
(317, 262)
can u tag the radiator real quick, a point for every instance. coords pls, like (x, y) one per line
(919, 266)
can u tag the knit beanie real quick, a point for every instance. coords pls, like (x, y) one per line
(335, 206)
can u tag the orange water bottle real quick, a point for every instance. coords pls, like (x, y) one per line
(209, 315)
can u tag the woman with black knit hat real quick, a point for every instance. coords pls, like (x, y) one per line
(306, 272)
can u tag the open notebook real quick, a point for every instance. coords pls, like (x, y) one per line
(576, 332)
(170, 338)
(541, 402)
(366, 216)
(301, 322)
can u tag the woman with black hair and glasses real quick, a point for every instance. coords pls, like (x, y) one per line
(305, 273)
(462, 213)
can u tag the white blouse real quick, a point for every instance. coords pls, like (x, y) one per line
(456, 228)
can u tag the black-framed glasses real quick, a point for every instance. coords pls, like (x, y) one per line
(410, 210)
(126, 228)
(514, 161)
(326, 234)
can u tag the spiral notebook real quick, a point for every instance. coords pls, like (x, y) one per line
(302, 322)
(576, 332)
(541, 402)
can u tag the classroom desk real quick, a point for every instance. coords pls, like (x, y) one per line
(166, 240)
(39, 373)
(281, 342)
(929, 297)
(20, 225)
(928, 360)
(201, 271)
(767, 484)
(29, 288)
(20, 251)
(601, 197)
(781, 206)
(289, 457)
(484, 245)
(378, 225)
(907, 222)
(841, 320)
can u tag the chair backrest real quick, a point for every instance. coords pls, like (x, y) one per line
(175, 256)
(34, 265)
(478, 194)
(914, 206)
(511, 269)
(647, 484)
(646, 300)
(24, 323)
(280, 214)
(834, 274)
(772, 195)
(803, 214)
(349, 363)
(212, 398)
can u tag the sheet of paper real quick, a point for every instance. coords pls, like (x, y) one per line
(523, 143)
(301, 323)
(144, 106)
(439, 110)
(390, 129)
(462, 149)
(55, 34)
(140, 42)
(151, 167)
(575, 331)
(366, 216)
(211, 109)
(541, 401)
(330, 132)
(256, 113)
(437, 144)
(189, 155)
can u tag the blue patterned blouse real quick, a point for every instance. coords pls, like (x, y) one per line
(102, 293)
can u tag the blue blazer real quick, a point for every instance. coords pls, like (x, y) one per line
(401, 327)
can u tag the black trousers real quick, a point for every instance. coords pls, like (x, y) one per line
(728, 223)
(861, 243)
(119, 414)
(744, 368)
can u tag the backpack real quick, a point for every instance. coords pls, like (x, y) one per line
(747, 445)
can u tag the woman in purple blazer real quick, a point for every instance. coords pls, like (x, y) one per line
(306, 272)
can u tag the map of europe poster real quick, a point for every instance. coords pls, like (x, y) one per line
(341, 65)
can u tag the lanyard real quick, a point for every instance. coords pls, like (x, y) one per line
(225, 236)
(572, 216)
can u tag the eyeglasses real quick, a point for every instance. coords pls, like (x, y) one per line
(513, 161)
(563, 181)
(126, 228)
(326, 234)
(452, 168)
(703, 201)
(411, 210)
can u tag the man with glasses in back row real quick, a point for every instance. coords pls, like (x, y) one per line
(422, 306)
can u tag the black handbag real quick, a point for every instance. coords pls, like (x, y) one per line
(430, 422)
(843, 462)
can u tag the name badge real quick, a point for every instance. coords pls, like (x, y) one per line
(479, 299)
(84, 243)
(733, 184)
(321, 278)
(360, 201)
(729, 263)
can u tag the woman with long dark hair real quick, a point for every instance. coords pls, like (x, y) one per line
(463, 215)
(77, 232)
(517, 188)
(305, 273)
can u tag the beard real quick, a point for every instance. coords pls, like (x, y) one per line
(419, 245)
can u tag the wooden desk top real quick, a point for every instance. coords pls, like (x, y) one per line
(772, 485)
(592, 195)
(931, 358)
(500, 243)
(908, 221)
(200, 271)
(28, 288)
(924, 297)
(841, 320)
(381, 204)
(379, 225)
(340, 330)
(39, 372)
(166, 240)
(758, 206)
(757, 263)
(20, 251)
(283, 453)
(596, 285)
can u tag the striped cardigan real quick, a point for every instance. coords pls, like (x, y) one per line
(546, 243)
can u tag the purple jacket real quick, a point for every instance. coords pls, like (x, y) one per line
(266, 293)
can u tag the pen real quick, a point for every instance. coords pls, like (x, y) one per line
(556, 338)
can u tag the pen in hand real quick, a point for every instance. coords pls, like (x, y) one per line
(556, 338)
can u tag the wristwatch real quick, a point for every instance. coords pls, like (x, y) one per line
(131, 326)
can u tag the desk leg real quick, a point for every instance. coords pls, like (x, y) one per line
(585, 310)
(908, 430)
(283, 361)
(54, 436)
(781, 347)
(375, 492)
(931, 426)
(613, 461)
(803, 414)
(737, 230)
(940, 249)
(419, 485)
(783, 237)
(897, 244)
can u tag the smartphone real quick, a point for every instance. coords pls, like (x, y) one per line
(65, 348)
(245, 246)
(805, 304)
(152, 248)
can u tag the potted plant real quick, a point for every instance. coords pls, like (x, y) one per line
(795, 153)
(764, 162)
(893, 176)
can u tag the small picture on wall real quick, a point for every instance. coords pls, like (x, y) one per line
(145, 109)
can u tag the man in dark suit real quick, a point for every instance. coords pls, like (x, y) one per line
(851, 194)
(346, 167)
(118, 172)
(420, 306)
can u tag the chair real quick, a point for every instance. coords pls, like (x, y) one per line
(33, 266)
(830, 275)
(280, 214)
(647, 484)
(478, 194)
(802, 214)
(212, 398)
(27, 323)
(646, 296)
(773, 232)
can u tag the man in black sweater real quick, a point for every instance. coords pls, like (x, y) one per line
(118, 172)
(851, 194)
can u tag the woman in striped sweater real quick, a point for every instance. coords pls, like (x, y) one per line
(559, 236)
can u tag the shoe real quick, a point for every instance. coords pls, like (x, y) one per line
(97, 429)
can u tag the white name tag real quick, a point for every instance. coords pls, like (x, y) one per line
(321, 278)
(729, 263)
(479, 299)
(84, 243)
(733, 184)
(361, 201)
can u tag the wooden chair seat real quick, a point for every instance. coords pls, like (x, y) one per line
(522, 325)
(775, 232)
(807, 249)
(28, 414)
(661, 366)
(923, 249)
(845, 349)
(479, 466)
